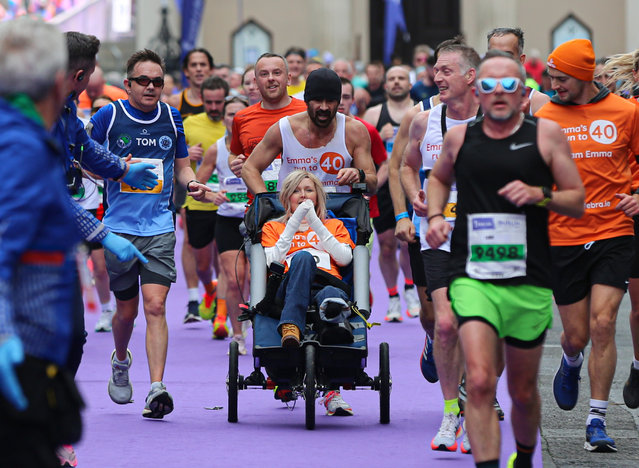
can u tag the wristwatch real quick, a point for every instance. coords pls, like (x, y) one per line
(362, 175)
(547, 197)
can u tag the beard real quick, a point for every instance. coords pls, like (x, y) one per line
(317, 115)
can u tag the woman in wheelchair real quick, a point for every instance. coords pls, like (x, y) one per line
(312, 248)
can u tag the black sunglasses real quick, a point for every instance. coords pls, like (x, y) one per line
(144, 80)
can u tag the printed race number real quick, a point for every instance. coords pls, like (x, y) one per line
(331, 163)
(603, 131)
(496, 253)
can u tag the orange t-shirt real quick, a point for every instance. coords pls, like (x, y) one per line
(601, 135)
(634, 166)
(250, 124)
(115, 93)
(308, 240)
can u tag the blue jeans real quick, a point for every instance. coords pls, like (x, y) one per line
(296, 287)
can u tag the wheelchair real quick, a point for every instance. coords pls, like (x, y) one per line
(313, 367)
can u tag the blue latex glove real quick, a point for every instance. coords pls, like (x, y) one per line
(11, 353)
(122, 248)
(139, 176)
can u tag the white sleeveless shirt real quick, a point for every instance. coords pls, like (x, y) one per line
(430, 148)
(325, 161)
(234, 186)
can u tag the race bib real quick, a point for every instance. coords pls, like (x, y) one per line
(496, 246)
(213, 183)
(322, 259)
(271, 174)
(235, 189)
(158, 170)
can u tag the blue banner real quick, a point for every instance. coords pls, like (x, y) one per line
(191, 19)
(393, 19)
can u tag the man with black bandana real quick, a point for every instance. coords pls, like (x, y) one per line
(334, 147)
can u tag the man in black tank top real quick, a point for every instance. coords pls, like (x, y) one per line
(504, 165)
(386, 117)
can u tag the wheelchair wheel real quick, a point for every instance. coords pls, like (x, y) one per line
(232, 382)
(309, 387)
(384, 384)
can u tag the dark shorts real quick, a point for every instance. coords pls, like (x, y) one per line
(634, 268)
(158, 250)
(416, 263)
(436, 269)
(576, 268)
(179, 195)
(200, 226)
(227, 234)
(386, 218)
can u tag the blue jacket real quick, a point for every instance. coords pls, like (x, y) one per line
(69, 132)
(37, 239)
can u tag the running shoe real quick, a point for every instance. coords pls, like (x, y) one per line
(192, 313)
(206, 309)
(511, 460)
(427, 362)
(465, 445)
(335, 404)
(446, 438)
(220, 328)
(158, 403)
(241, 344)
(104, 322)
(596, 438)
(394, 313)
(284, 394)
(413, 306)
(120, 388)
(462, 400)
(631, 389)
(66, 455)
(565, 385)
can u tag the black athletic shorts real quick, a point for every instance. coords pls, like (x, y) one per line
(634, 269)
(386, 218)
(576, 268)
(416, 263)
(200, 226)
(436, 269)
(227, 234)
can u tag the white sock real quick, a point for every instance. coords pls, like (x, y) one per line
(598, 409)
(194, 294)
(575, 361)
(635, 364)
(106, 306)
(155, 385)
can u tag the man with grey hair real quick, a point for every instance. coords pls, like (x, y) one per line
(37, 259)
(511, 41)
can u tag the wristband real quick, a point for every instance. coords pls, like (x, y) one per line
(402, 215)
(187, 184)
(434, 216)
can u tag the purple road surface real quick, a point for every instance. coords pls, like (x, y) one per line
(267, 433)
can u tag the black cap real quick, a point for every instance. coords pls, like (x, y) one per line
(323, 84)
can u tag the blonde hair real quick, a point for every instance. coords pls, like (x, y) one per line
(620, 67)
(290, 184)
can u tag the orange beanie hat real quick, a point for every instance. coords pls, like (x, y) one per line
(575, 58)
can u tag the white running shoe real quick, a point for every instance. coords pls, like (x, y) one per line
(241, 344)
(120, 388)
(446, 438)
(413, 306)
(394, 313)
(335, 404)
(104, 322)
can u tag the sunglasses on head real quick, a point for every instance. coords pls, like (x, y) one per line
(144, 80)
(508, 84)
